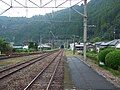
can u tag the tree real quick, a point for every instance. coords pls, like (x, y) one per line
(33, 45)
(96, 39)
(5, 47)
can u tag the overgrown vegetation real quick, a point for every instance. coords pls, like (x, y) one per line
(33, 46)
(103, 53)
(5, 47)
(112, 60)
(93, 56)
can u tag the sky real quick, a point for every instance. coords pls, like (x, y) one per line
(18, 9)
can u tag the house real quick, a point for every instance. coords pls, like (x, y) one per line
(44, 46)
(114, 43)
(118, 46)
(25, 47)
(17, 46)
(104, 44)
(79, 47)
(97, 44)
(72, 45)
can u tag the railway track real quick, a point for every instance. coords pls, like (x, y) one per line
(8, 71)
(56, 82)
(18, 78)
(45, 79)
(15, 55)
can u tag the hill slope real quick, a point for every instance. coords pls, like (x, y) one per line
(104, 14)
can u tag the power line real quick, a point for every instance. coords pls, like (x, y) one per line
(11, 5)
(55, 6)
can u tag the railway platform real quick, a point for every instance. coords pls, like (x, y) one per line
(85, 78)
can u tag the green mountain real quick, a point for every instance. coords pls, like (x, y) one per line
(104, 14)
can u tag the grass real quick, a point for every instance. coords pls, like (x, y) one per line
(13, 61)
(93, 56)
(4, 63)
(114, 72)
(69, 53)
(67, 79)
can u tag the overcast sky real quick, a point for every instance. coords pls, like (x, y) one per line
(29, 12)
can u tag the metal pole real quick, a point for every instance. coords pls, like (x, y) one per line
(40, 3)
(53, 39)
(85, 28)
(40, 43)
(74, 44)
(114, 33)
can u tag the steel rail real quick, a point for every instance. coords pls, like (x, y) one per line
(48, 86)
(28, 64)
(17, 55)
(19, 64)
(29, 85)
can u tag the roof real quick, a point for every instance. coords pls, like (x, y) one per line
(114, 42)
(44, 45)
(111, 43)
(17, 47)
(98, 43)
(79, 45)
(105, 43)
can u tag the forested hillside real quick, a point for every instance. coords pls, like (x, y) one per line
(104, 14)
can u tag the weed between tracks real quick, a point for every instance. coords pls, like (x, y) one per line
(12, 61)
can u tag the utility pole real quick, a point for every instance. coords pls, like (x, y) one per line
(114, 33)
(40, 43)
(74, 44)
(85, 28)
(53, 42)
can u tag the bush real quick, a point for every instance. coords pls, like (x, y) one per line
(103, 53)
(92, 56)
(101, 49)
(112, 60)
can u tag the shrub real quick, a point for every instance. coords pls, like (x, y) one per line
(112, 60)
(103, 53)
(101, 49)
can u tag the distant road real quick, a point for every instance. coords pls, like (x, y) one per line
(85, 78)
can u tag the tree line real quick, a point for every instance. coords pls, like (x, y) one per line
(104, 14)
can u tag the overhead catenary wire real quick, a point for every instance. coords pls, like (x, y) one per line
(47, 3)
(20, 4)
(34, 3)
(6, 10)
(26, 8)
(5, 2)
(61, 4)
(11, 5)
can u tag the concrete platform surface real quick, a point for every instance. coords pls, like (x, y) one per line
(85, 78)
